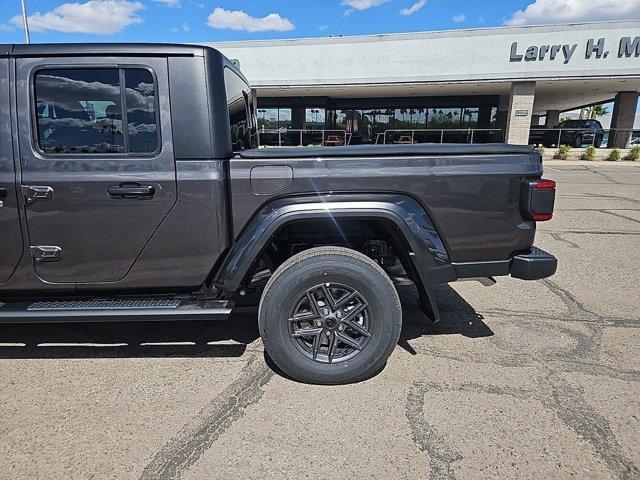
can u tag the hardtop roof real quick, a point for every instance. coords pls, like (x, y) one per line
(101, 49)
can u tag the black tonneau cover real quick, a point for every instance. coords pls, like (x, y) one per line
(415, 150)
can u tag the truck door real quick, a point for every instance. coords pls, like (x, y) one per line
(98, 171)
(10, 233)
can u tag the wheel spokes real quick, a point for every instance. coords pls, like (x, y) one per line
(358, 328)
(333, 344)
(307, 332)
(330, 323)
(354, 312)
(344, 338)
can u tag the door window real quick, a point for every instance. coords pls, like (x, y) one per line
(79, 111)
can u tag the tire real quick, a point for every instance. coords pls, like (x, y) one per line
(577, 141)
(330, 299)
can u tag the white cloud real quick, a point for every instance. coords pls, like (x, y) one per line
(459, 18)
(99, 17)
(185, 28)
(6, 28)
(322, 28)
(413, 8)
(169, 3)
(567, 11)
(363, 4)
(239, 20)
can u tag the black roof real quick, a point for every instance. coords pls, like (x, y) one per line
(101, 49)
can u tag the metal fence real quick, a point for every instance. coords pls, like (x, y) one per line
(293, 137)
(441, 135)
(584, 137)
(548, 137)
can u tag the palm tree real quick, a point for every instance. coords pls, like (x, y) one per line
(596, 111)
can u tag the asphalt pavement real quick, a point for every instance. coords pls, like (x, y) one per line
(518, 380)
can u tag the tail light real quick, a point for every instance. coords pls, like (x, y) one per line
(537, 199)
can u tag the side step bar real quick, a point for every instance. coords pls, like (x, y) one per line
(109, 310)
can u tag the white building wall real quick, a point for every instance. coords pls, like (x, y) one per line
(449, 56)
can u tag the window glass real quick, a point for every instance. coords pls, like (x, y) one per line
(267, 118)
(141, 110)
(79, 111)
(470, 118)
(284, 118)
(444, 118)
(410, 118)
(315, 118)
(243, 134)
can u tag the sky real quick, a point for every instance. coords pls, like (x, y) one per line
(184, 21)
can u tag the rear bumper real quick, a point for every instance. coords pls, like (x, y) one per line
(534, 265)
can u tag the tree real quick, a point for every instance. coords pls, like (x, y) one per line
(597, 111)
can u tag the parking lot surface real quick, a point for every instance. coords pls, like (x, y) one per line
(518, 380)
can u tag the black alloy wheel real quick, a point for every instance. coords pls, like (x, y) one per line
(330, 323)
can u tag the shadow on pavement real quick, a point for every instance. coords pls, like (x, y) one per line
(457, 317)
(209, 338)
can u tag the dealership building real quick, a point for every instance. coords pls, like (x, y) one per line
(496, 82)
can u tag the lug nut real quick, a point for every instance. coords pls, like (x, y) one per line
(338, 314)
(318, 323)
(328, 333)
(326, 311)
(340, 327)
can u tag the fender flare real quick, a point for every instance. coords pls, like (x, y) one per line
(428, 253)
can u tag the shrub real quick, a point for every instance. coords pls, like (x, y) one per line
(563, 152)
(614, 155)
(540, 150)
(589, 154)
(633, 155)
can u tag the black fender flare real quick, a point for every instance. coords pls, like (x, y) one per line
(428, 253)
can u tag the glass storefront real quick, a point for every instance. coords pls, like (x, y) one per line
(406, 124)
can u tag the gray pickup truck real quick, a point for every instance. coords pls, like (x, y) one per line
(132, 188)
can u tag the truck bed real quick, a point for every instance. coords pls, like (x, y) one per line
(470, 192)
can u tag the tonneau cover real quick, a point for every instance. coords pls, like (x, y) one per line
(415, 150)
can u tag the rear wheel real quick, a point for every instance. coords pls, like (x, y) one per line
(330, 315)
(577, 141)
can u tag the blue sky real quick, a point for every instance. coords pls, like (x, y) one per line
(220, 20)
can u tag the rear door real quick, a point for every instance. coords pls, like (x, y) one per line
(10, 233)
(97, 177)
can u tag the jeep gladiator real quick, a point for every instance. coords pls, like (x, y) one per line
(132, 188)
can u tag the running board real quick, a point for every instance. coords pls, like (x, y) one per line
(109, 310)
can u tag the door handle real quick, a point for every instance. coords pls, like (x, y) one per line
(34, 193)
(131, 190)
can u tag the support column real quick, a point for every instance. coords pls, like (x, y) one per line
(624, 113)
(484, 116)
(502, 114)
(535, 120)
(297, 117)
(553, 118)
(520, 111)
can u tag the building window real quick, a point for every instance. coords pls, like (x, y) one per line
(470, 118)
(79, 111)
(444, 118)
(315, 118)
(274, 118)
